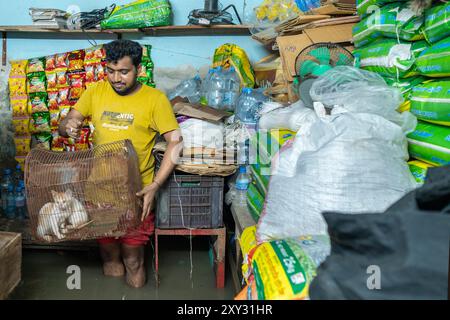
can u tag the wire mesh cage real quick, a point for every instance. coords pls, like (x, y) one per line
(84, 194)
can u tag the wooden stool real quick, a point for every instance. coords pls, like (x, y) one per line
(219, 249)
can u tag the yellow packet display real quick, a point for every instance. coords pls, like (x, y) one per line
(21, 126)
(23, 145)
(18, 67)
(19, 106)
(17, 86)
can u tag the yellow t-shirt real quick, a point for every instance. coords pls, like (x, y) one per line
(137, 117)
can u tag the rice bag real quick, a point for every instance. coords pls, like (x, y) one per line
(431, 102)
(23, 145)
(50, 63)
(419, 170)
(36, 65)
(18, 67)
(41, 140)
(392, 21)
(40, 122)
(405, 85)
(388, 58)
(430, 143)
(21, 126)
(17, 86)
(61, 78)
(435, 61)
(19, 106)
(36, 82)
(418, 47)
(61, 61)
(76, 60)
(54, 119)
(53, 100)
(38, 102)
(51, 80)
(437, 23)
(63, 96)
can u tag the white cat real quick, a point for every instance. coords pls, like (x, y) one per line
(59, 217)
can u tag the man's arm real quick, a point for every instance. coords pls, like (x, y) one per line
(71, 125)
(170, 159)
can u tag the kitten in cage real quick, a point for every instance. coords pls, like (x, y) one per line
(59, 217)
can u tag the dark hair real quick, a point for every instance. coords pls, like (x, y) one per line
(118, 49)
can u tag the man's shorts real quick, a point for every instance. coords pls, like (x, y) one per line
(135, 237)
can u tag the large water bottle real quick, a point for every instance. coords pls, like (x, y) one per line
(242, 183)
(5, 183)
(10, 203)
(20, 201)
(246, 107)
(232, 85)
(18, 175)
(187, 89)
(216, 89)
(205, 87)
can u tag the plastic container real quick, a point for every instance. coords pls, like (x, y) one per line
(11, 203)
(189, 88)
(18, 175)
(232, 87)
(4, 186)
(190, 201)
(19, 199)
(242, 183)
(216, 89)
(246, 107)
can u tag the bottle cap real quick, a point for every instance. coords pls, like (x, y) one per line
(242, 169)
(246, 90)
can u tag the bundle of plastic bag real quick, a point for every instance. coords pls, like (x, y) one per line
(200, 133)
(139, 14)
(353, 160)
(276, 116)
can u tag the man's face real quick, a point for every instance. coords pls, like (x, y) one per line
(122, 75)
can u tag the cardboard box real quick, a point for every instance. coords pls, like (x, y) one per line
(291, 46)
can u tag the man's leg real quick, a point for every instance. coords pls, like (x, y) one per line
(133, 258)
(112, 262)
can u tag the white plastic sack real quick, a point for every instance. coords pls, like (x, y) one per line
(276, 116)
(349, 161)
(199, 133)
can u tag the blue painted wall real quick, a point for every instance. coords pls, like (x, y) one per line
(167, 51)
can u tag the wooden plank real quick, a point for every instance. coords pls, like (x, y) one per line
(242, 217)
(153, 31)
(10, 262)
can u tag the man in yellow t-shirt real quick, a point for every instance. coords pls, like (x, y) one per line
(121, 108)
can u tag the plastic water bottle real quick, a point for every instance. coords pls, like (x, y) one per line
(246, 107)
(5, 183)
(232, 85)
(18, 175)
(187, 89)
(11, 203)
(242, 182)
(205, 87)
(216, 89)
(20, 201)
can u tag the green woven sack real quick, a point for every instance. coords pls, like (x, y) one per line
(435, 61)
(405, 85)
(430, 143)
(394, 20)
(437, 23)
(388, 58)
(139, 14)
(431, 102)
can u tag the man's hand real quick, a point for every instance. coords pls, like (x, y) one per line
(148, 193)
(73, 127)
